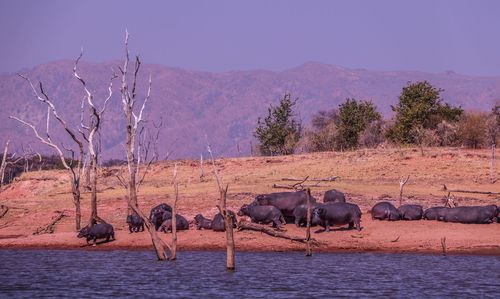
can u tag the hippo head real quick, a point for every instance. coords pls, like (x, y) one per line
(84, 232)
(494, 210)
(259, 197)
(316, 215)
(198, 218)
(243, 210)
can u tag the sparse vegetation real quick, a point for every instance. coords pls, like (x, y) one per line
(420, 107)
(354, 117)
(355, 123)
(280, 132)
(322, 136)
(472, 129)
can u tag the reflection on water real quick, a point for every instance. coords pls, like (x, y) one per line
(88, 274)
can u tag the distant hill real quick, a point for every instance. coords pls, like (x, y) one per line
(222, 106)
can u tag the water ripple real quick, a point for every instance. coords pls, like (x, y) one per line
(133, 274)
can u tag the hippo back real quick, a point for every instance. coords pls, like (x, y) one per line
(385, 210)
(434, 213)
(159, 208)
(333, 196)
(218, 223)
(286, 202)
(471, 214)
(99, 230)
(411, 212)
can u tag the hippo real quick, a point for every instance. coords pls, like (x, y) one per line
(154, 215)
(385, 210)
(286, 202)
(182, 224)
(218, 224)
(411, 212)
(159, 216)
(333, 195)
(97, 231)
(434, 213)
(202, 222)
(135, 223)
(263, 214)
(337, 213)
(472, 214)
(300, 214)
(162, 206)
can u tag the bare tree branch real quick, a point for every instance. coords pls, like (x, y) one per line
(43, 140)
(402, 183)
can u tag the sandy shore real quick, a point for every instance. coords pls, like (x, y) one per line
(366, 176)
(381, 236)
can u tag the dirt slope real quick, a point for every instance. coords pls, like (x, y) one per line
(366, 176)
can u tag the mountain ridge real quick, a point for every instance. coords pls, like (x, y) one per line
(223, 106)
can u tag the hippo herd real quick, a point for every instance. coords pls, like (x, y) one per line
(470, 215)
(280, 208)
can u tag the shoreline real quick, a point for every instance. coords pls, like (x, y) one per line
(488, 251)
(401, 237)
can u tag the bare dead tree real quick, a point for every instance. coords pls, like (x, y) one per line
(443, 245)
(308, 224)
(202, 173)
(238, 148)
(493, 179)
(6, 160)
(50, 228)
(74, 170)
(329, 179)
(132, 122)
(469, 191)
(227, 218)
(173, 257)
(402, 183)
(28, 155)
(449, 201)
(92, 129)
(86, 173)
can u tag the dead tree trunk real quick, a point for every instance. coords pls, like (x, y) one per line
(132, 121)
(3, 210)
(492, 164)
(4, 162)
(469, 191)
(229, 231)
(308, 224)
(93, 191)
(75, 190)
(158, 244)
(95, 120)
(173, 257)
(242, 225)
(402, 183)
(202, 173)
(228, 221)
(49, 229)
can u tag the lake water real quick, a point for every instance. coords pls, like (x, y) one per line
(137, 274)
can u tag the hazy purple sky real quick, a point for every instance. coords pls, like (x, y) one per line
(434, 36)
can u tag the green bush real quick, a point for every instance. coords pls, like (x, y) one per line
(420, 106)
(280, 132)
